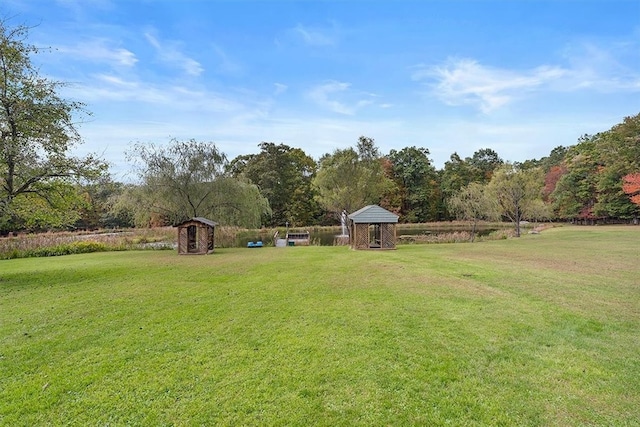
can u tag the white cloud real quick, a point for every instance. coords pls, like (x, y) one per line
(280, 88)
(98, 50)
(321, 96)
(315, 36)
(587, 66)
(337, 97)
(466, 82)
(115, 81)
(104, 88)
(603, 69)
(226, 64)
(170, 54)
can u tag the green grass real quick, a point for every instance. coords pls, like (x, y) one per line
(541, 330)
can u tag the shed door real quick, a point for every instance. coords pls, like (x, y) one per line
(192, 239)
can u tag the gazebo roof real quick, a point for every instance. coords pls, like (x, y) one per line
(373, 214)
(199, 219)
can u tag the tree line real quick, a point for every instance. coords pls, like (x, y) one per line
(43, 187)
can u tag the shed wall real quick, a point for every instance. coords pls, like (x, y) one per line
(204, 238)
(388, 236)
(183, 243)
(361, 236)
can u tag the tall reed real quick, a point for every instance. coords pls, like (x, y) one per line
(64, 243)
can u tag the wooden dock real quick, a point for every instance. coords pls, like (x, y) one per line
(298, 238)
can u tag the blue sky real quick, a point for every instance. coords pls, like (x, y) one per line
(520, 77)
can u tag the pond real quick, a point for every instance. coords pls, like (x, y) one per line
(329, 236)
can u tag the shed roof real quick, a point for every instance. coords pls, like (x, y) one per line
(199, 219)
(373, 214)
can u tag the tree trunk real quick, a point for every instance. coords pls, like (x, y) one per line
(473, 230)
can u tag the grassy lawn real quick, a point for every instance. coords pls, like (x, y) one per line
(541, 330)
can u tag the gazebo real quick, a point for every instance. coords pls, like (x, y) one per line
(196, 236)
(372, 227)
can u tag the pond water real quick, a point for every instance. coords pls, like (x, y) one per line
(328, 236)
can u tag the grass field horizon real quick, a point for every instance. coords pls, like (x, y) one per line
(541, 330)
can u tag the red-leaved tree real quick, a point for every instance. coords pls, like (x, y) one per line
(551, 180)
(631, 186)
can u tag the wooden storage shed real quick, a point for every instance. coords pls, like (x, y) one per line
(372, 227)
(196, 236)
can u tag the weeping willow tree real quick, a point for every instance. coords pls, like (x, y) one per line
(518, 194)
(473, 203)
(186, 179)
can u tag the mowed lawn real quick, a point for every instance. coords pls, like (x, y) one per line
(542, 330)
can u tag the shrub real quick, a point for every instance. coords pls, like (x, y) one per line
(82, 247)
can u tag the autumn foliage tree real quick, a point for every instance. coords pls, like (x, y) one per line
(589, 187)
(551, 180)
(631, 187)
